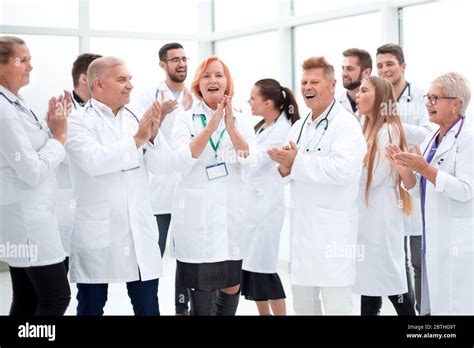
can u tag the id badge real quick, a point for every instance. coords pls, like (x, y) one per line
(216, 171)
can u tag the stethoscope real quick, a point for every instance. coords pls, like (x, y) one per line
(22, 108)
(409, 97)
(454, 142)
(89, 105)
(324, 120)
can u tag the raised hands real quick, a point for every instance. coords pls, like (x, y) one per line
(56, 117)
(284, 157)
(168, 105)
(187, 99)
(149, 125)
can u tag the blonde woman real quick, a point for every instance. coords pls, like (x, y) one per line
(382, 203)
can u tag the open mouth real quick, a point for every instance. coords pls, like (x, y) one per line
(432, 112)
(309, 96)
(213, 89)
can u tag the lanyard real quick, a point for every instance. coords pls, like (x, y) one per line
(214, 146)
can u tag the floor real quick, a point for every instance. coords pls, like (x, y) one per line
(119, 303)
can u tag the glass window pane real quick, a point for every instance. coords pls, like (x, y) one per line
(45, 13)
(236, 14)
(177, 16)
(314, 40)
(141, 58)
(434, 41)
(305, 7)
(51, 72)
(250, 59)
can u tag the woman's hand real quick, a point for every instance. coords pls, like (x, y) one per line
(229, 114)
(56, 117)
(217, 116)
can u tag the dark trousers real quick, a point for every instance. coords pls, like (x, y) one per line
(181, 296)
(414, 292)
(42, 290)
(370, 305)
(91, 298)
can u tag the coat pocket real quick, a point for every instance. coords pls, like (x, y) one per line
(92, 227)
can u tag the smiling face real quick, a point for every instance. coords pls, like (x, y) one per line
(365, 98)
(351, 72)
(15, 74)
(176, 71)
(115, 89)
(445, 110)
(390, 68)
(213, 84)
(317, 90)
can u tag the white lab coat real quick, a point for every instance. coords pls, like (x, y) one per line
(163, 185)
(114, 234)
(324, 188)
(346, 103)
(381, 269)
(64, 200)
(265, 209)
(207, 214)
(417, 126)
(28, 184)
(449, 229)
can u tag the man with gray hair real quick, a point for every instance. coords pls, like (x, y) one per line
(114, 236)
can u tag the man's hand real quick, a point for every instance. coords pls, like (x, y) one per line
(284, 156)
(187, 99)
(167, 106)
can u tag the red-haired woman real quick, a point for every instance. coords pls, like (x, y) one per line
(382, 203)
(211, 146)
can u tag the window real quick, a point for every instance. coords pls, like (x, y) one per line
(306, 7)
(51, 72)
(45, 13)
(177, 16)
(330, 39)
(250, 58)
(436, 40)
(237, 14)
(141, 58)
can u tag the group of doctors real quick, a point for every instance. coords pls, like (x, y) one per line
(188, 162)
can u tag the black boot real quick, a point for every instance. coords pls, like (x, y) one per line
(202, 302)
(227, 304)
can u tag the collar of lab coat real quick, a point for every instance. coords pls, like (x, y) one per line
(310, 121)
(11, 97)
(280, 119)
(105, 110)
(168, 93)
(446, 143)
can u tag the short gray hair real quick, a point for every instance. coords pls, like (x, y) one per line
(7, 47)
(455, 85)
(100, 68)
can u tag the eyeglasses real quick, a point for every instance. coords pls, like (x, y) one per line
(176, 60)
(434, 98)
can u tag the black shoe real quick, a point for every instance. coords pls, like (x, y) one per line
(182, 312)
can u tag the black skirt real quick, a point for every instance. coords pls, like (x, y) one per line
(261, 286)
(209, 276)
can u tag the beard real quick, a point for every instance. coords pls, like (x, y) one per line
(177, 78)
(353, 84)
